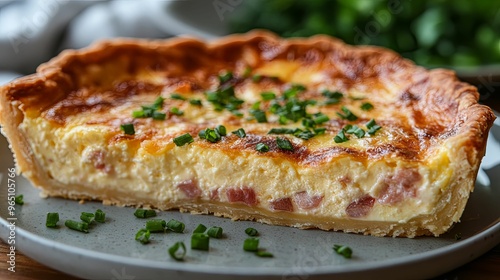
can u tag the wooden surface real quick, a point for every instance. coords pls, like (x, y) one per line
(484, 268)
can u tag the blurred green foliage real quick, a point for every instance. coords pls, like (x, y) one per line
(431, 32)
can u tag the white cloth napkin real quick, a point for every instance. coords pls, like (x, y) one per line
(33, 31)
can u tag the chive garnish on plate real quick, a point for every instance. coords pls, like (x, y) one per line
(200, 229)
(87, 217)
(156, 225)
(177, 251)
(78, 226)
(144, 213)
(200, 241)
(52, 219)
(343, 250)
(100, 216)
(143, 235)
(215, 232)
(251, 244)
(176, 226)
(251, 232)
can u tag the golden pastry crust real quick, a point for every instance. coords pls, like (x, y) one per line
(421, 111)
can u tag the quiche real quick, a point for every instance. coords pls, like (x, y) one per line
(305, 132)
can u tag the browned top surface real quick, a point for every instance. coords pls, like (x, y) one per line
(102, 85)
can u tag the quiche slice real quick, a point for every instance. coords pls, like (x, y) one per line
(310, 133)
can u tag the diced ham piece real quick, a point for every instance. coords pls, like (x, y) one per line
(305, 201)
(360, 207)
(214, 194)
(282, 204)
(245, 194)
(98, 159)
(190, 188)
(399, 186)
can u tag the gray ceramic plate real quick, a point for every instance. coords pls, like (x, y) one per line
(109, 251)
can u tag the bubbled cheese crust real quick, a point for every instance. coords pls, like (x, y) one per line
(413, 177)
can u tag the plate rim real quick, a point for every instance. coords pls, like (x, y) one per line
(493, 230)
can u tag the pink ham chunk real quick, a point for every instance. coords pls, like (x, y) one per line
(305, 201)
(360, 207)
(399, 186)
(190, 188)
(245, 194)
(98, 159)
(282, 204)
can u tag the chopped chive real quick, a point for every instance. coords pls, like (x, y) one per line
(144, 213)
(175, 111)
(143, 235)
(78, 226)
(240, 132)
(251, 231)
(211, 135)
(200, 229)
(19, 199)
(87, 217)
(138, 114)
(343, 250)
(320, 130)
(156, 225)
(281, 130)
(341, 137)
(224, 77)
(52, 219)
(356, 97)
(100, 216)
(255, 106)
(128, 128)
(176, 226)
(267, 95)
(332, 94)
(183, 139)
(196, 102)
(354, 129)
(259, 115)
(215, 232)
(251, 244)
(221, 130)
(458, 236)
(177, 251)
(320, 118)
(333, 97)
(264, 254)
(308, 123)
(261, 147)
(366, 106)
(158, 103)
(293, 91)
(159, 116)
(237, 113)
(306, 134)
(200, 241)
(348, 115)
(372, 127)
(284, 144)
(256, 78)
(177, 96)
